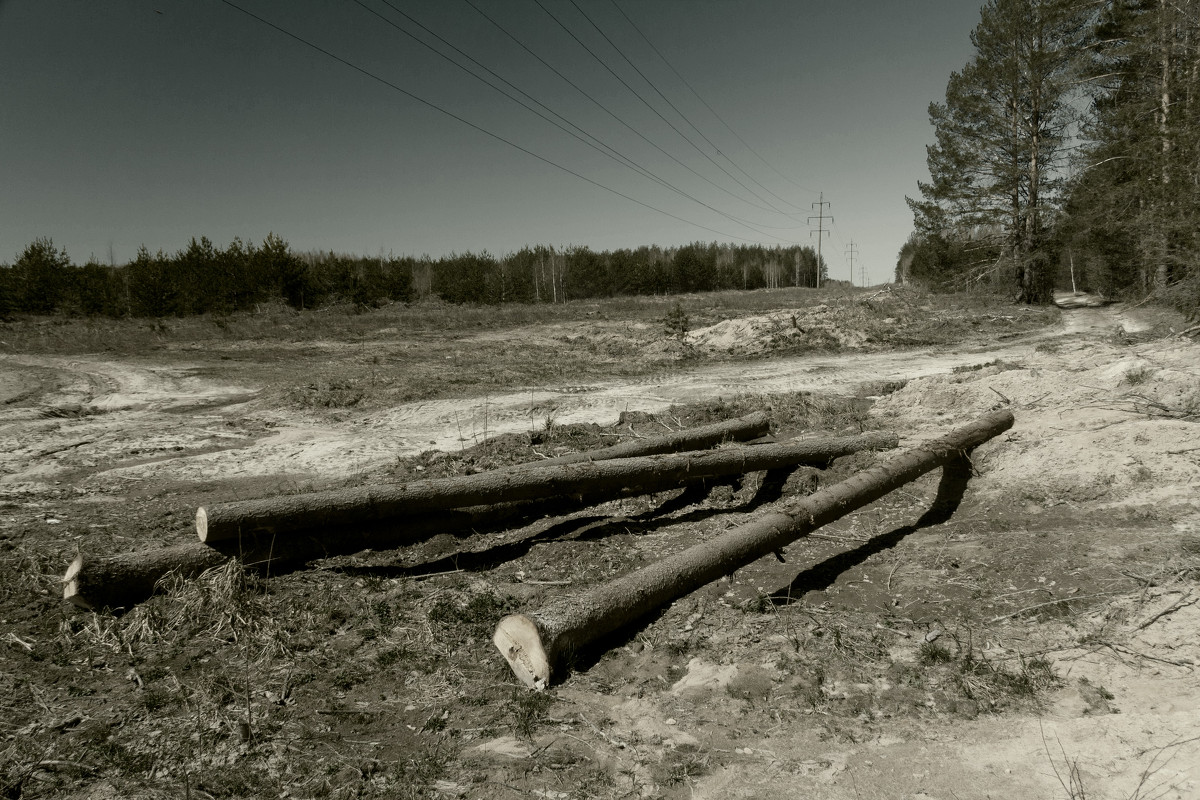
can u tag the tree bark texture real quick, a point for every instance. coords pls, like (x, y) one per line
(703, 437)
(122, 580)
(537, 644)
(316, 512)
(127, 579)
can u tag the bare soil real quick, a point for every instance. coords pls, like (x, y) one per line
(1041, 643)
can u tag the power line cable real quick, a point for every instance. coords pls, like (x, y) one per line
(635, 93)
(838, 233)
(587, 95)
(721, 119)
(596, 144)
(713, 111)
(682, 116)
(574, 85)
(468, 123)
(580, 132)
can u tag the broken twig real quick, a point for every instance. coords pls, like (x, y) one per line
(1036, 606)
(1185, 602)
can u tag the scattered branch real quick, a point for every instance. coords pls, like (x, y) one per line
(58, 765)
(1185, 602)
(1192, 331)
(1036, 606)
(12, 637)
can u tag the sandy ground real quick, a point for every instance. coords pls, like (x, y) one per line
(1101, 425)
(1089, 435)
(121, 402)
(192, 429)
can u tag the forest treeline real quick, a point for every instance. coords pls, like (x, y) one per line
(1067, 150)
(202, 278)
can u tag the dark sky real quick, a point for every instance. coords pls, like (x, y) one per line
(125, 123)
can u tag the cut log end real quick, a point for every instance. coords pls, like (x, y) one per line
(519, 641)
(202, 524)
(70, 582)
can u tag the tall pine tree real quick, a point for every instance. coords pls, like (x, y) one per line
(999, 141)
(1134, 203)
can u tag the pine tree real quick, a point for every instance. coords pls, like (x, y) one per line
(1135, 198)
(40, 277)
(154, 289)
(999, 139)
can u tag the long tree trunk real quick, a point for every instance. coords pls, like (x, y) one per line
(1035, 291)
(1164, 107)
(333, 510)
(1033, 288)
(538, 643)
(1161, 270)
(1014, 189)
(703, 437)
(124, 580)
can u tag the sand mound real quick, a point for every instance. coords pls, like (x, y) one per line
(1118, 428)
(820, 327)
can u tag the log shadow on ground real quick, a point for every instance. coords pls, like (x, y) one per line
(950, 491)
(770, 489)
(474, 560)
(585, 528)
(821, 576)
(661, 516)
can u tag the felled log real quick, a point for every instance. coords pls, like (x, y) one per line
(316, 512)
(95, 583)
(703, 437)
(1080, 300)
(536, 644)
(124, 580)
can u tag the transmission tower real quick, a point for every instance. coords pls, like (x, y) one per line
(862, 270)
(851, 253)
(820, 217)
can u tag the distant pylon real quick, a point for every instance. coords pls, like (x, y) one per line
(821, 231)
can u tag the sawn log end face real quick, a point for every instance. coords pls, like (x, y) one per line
(70, 582)
(202, 524)
(71, 593)
(519, 641)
